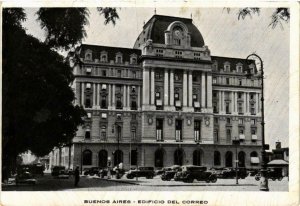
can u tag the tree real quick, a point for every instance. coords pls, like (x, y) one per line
(38, 111)
(279, 15)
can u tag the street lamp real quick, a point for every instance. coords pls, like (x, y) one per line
(236, 142)
(263, 180)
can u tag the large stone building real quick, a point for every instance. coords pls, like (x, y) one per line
(166, 101)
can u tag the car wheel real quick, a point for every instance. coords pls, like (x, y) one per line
(214, 179)
(129, 177)
(257, 178)
(274, 178)
(207, 180)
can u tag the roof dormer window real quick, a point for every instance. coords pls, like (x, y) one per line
(133, 59)
(177, 35)
(103, 57)
(88, 55)
(226, 67)
(119, 58)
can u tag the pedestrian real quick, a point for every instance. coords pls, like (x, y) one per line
(77, 177)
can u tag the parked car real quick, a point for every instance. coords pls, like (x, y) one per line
(189, 173)
(56, 170)
(160, 171)
(272, 173)
(92, 171)
(169, 172)
(228, 173)
(25, 178)
(147, 172)
(253, 172)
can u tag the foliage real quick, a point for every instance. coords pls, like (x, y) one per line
(279, 15)
(110, 14)
(38, 113)
(64, 26)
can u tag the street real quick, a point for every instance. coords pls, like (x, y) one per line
(94, 183)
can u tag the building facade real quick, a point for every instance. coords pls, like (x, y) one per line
(166, 101)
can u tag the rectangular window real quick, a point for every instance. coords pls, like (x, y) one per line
(134, 74)
(253, 121)
(241, 131)
(240, 108)
(240, 82)
(87, 135)
(214, 80)
(253, 131)
(159, 130)
(227, 108)
(241, 121)
(119, 72)
(178, 130)
(103, 132)
(178, 54)
(252, 109)
(103, 102)
(104, 73)
(215, 108)
(197, 125)
(133, 133)
(176, 96)
(119, 103)
(88, 102)
(228, 135)
(216, 135)
(228, 120)
(227, 81)
(159, 52)
(239, 95)
(133, 105)
(216, 120)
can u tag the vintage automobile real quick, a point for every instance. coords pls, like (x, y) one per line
(60, 172)
(92, 171)
(169, 172)
(272, 173)
(25, 178)
(147, 172)
(230, 173)
(189, 173)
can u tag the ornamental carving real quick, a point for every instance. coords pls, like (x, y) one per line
(207, 121)
(189, 121)
(170, 120)
(150, 119)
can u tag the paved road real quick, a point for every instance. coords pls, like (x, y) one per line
(48, 183)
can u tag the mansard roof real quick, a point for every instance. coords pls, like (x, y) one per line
(155, 29)
(111, 51)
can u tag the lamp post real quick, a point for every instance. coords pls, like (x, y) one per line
(263, 180)
(236, 142)
(80, 157)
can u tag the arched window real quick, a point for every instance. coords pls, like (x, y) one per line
(177, 35)
(217, 158)
(118, 157)
(87, 157)
(241, 158)
(197, 157)
(253, 154)
(228, 159)
(102, 157)
(178, 157)
(159, 158)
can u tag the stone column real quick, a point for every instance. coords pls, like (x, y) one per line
(209, 91)
(203, 90)
(146, 86)
(184, 88)
(98, 95)
(138, 96)
(166, 88)
(171, 87)
(190, 89)
(256, 103)
(94, 95)
(82, 93)
(220, 101)
(152, 87)
(128, 97)
(233, 103)
(245, 103)
(113, 96)
(109, 96)
(124, 97)
(223, 102)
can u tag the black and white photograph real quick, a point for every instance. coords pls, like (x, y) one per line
(152, 98)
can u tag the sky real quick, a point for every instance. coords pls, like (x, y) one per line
(224, 34)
